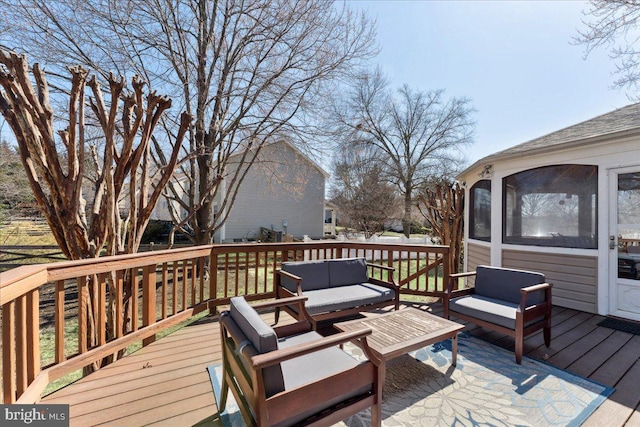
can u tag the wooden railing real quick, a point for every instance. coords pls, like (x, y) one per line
(167, 287)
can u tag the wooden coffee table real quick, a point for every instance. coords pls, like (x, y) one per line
(402, 331)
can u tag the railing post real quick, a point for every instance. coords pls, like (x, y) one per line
(446, 263)
(149, 299)
(9, 352)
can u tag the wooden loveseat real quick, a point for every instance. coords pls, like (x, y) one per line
(513, 302)
(268, 370)
(334, 288)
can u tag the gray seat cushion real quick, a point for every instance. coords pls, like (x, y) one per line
(344, 297)
(505, 284)
(313, 367)
(314, 274)
(488, 309)
(261, 336)
(347, 271)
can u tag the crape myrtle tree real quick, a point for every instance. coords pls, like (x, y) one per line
(615, 24)
(360, 191)
(55, 152)
(246, 70)
(418, 132)
(442, 203)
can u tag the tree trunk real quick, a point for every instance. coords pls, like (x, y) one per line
(443, 207)
(406, 219)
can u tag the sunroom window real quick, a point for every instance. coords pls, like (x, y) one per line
(480, 213)
(551, 206)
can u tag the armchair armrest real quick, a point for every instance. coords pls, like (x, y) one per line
(390, 279)
(279, 302)
(544, 306)
(261, 361)
(297, 279)
(382, 267)
(458, 275)
(534, 288)
(453, 278)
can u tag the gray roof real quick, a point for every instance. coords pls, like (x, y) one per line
(622, 120)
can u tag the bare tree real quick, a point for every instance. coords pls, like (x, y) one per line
(247, 71)
(86, 225)
(365, 200)
(615, 24)
(420, 133)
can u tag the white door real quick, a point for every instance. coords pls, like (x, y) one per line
(624, 242)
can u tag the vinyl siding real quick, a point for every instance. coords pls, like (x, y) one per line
(477, 255)
(282, 186)
(574, 277)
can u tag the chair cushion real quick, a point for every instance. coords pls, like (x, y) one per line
(314, 274)
(261, 336)
(344, 297)
(347, 271)
(325, 363)
(490, 310)
(505, 284)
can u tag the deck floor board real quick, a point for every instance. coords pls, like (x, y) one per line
(166, 383)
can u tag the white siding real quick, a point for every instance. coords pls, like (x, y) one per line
(589, 292)
(282, 187)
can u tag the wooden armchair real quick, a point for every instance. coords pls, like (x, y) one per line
(513, 302)
(291, 375)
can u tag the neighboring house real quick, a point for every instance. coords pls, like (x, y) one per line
(283, 190)
(568, 205)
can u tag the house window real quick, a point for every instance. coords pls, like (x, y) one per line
(551, 206)
(480, 213)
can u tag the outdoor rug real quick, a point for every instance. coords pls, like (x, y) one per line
(487, 388)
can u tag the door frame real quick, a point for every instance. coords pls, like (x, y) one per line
(612, 229)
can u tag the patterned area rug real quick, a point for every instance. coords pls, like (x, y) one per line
(487, 388)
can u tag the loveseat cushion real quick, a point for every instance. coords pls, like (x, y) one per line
(325, 363)
(505, 284)
(345, 297)
(314, 274)
(347, 271)
(491, 310)
(261, 336)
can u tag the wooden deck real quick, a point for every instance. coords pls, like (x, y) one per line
(166, 383)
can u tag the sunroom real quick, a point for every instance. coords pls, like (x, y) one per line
(566, 204)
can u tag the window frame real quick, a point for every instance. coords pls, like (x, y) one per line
(549, 178)
(483, 184)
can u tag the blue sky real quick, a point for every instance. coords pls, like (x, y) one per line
(514, 59)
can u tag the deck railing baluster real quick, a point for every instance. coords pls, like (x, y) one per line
(82, 314)
(165, 285)
(59, 321)
(119, 289)
(21, 344)
(22, 372)
(149, 300)
(101, 303)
